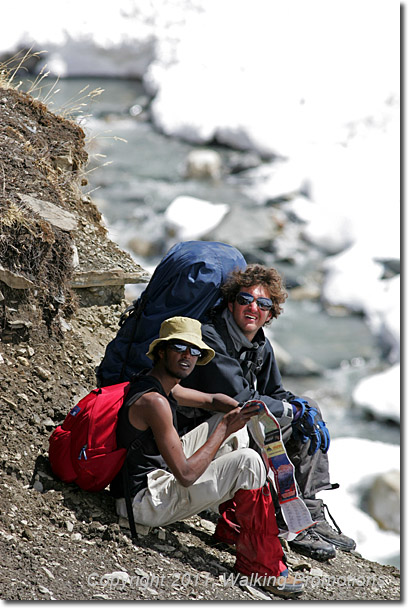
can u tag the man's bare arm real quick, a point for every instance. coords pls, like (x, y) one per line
(187, 397)
(158, 417)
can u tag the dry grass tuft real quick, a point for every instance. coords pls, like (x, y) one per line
(12, 67)
(12, 216)
(41, 89)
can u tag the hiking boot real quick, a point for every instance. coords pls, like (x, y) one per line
(310, 544)
(329, 534)
(287, 587)
(334, 535)
(226, 543)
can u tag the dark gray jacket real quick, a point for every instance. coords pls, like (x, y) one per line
(244, 373)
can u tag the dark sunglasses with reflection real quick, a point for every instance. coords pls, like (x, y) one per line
(180, 348)
(244, 298)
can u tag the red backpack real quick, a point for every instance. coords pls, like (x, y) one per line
(83, 450)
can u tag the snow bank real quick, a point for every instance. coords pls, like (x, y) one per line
(94, 38)
(380, 394)
(354, 464)
(264, 74)
(293, 82)
(190, 218)
(354, 280)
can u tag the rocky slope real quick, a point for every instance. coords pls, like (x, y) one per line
(61, 283)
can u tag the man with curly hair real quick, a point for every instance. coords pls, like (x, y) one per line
(245, 368)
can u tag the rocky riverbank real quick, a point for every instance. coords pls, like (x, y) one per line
(61, 291)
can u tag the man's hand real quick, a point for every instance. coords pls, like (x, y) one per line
(239, 417)
(309, 427)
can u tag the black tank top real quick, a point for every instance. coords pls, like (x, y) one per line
(143, 455)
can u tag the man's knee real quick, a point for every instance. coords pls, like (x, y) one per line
(252, 467)
(234, 442)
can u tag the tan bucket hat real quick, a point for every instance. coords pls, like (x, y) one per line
(187, 330)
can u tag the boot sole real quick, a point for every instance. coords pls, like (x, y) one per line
(224, 542)
(340, 546)
(283, 593)
(319, 556)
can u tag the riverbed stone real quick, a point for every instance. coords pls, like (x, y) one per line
(384, 500)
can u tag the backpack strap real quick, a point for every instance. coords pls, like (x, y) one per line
(252, 364)
(135, 310)
(127, 312)
(125, 475)
(128, 502)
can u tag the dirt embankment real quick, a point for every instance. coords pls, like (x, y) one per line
(60, 301)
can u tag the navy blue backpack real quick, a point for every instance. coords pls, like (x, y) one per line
(187, 283)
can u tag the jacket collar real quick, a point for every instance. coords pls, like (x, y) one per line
(241, 343)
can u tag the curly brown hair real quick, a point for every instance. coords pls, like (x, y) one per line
(257, 275)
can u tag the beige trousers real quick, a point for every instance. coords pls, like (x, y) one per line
(234, 467)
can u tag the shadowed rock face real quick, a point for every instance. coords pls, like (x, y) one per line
(56, 541)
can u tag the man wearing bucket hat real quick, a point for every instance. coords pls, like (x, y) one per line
(173, 478)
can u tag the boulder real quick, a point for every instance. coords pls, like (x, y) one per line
(203, 163)
(384, 500)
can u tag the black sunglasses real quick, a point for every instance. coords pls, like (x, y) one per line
(244, 298)
(180, 348)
